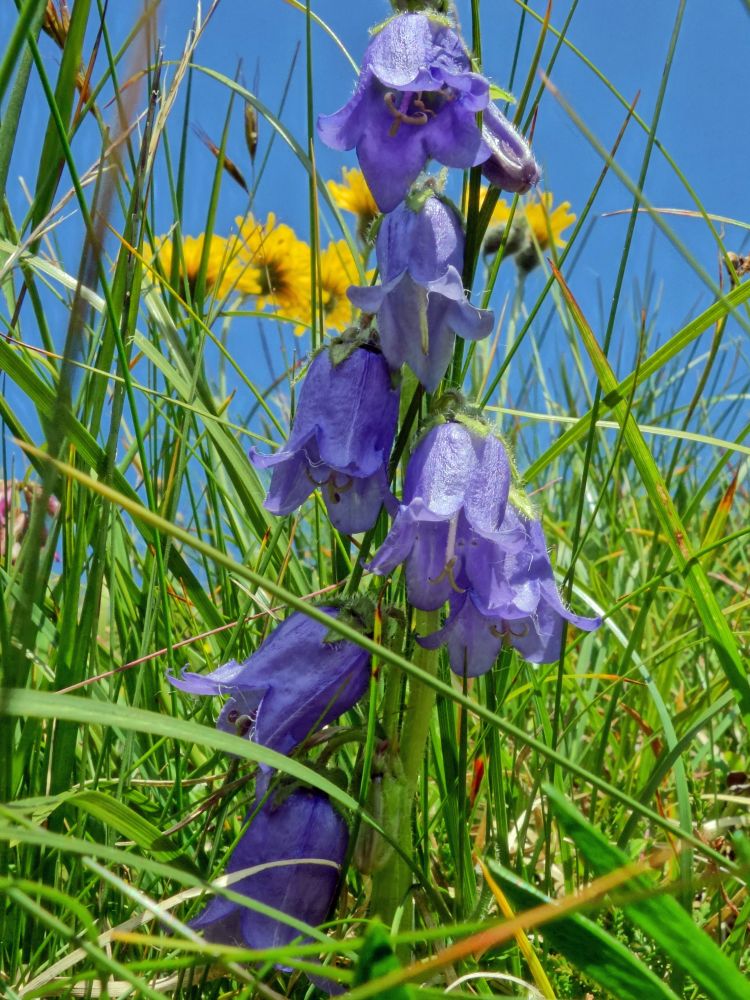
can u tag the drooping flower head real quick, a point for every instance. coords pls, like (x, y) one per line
(297, 681)
(455, 492)
(506, 596)
(511, 165)
(340, 442)
(416, 99)
(353, 195)
(421, 304)
(299, 826)
(463, 541)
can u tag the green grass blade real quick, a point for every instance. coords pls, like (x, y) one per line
(661, 917)
(588, 946)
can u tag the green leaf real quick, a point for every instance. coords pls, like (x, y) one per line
(661, 917)
(92, 712)
(587, 946)
(129, 824)
(52, 156)
(376, 959)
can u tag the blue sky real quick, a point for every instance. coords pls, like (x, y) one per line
(703, 126)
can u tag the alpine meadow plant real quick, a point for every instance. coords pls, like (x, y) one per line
(270, 700)
(463, 541)
(322, 644)
(421, 304)
(340, 441)
(285, 829)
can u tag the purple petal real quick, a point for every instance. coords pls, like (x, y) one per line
(223, 680)
(342, 433)
(443, 466)
(354, 506)
(468, 322)
(400, 54)
(390, 163)
(428, 577)
(295, 679)
(290, 713)
(487, 490)
(343, 129)
(290, 483)
(302, 825)
(368, 298)
(473, 641)
(397, 545)
(424, 243)
(357, 409)
(454, 139)
(510, 165)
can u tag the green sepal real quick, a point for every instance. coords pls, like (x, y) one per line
(358, 612)
(498, 94)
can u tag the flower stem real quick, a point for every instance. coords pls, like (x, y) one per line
(391, 884)
(421, 702)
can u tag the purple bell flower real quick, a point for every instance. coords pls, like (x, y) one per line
(302, 825)
(506, 596)
(462, 541)
(341, 439)
(295, 683)
(421, 304)
(512, 166)
(416, 99)
(455, 496)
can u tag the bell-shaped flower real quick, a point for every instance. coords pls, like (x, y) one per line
(455, 493)
(416, 99)
(421, 304)
(297, 681)
(512, 166)
(340, 441)
(506, 596)
(299, 827)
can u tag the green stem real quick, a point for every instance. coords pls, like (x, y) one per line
(421, 702)
(391, 884)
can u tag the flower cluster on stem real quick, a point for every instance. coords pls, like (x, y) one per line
(461, 530)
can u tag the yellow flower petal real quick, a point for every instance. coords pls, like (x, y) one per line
(353, 195)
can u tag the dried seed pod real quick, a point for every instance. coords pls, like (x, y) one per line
(251, 130)
(231, 168)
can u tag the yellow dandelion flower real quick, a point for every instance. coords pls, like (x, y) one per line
(338, 270)
(545, 223)
(281, 265)
(539, 217)
(353, 195)
(223, 275)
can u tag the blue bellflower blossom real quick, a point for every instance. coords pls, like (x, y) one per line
(455, 494)
(416, 99)
(340, 442)
(421, 304)
(506, 597)
(512, 166)
(301, 825)
(297, 681)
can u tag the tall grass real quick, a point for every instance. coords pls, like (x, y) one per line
(577, 827)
